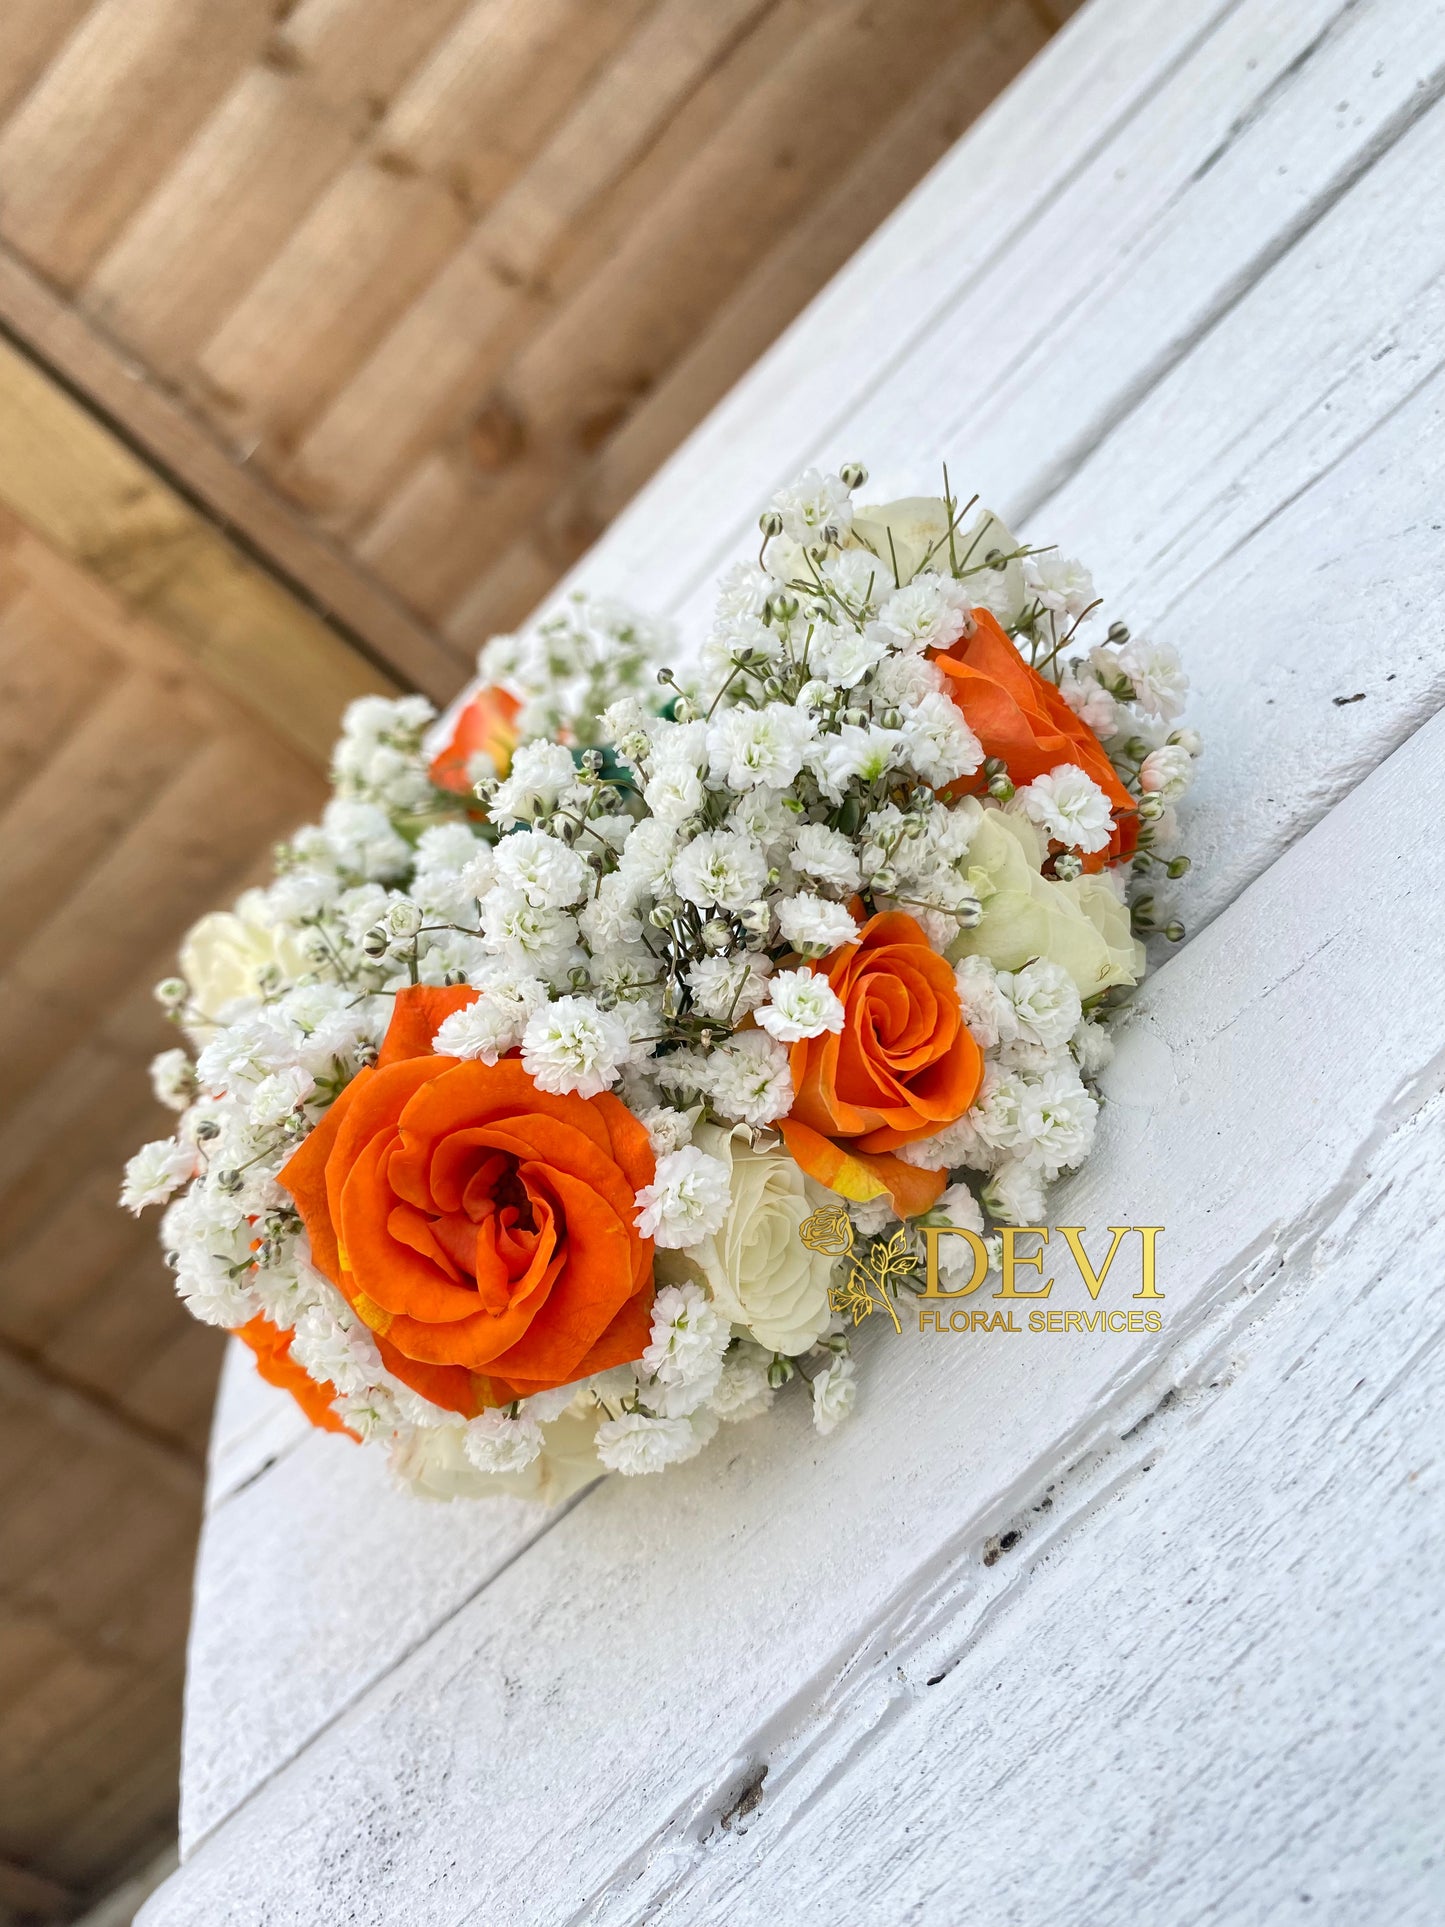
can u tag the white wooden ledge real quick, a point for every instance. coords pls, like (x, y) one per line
(1136, 1630)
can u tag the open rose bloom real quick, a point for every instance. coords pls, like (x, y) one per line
(533, 1120)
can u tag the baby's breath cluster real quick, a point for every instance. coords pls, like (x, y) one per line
(905, 811)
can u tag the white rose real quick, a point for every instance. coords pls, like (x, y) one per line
(224, 955)
(760, 1273)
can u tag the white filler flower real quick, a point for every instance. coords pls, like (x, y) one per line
(574, 1045)
(1070, 807)
(686, 1202)
(801, 1005)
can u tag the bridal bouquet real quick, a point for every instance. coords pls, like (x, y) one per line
(527, 1113)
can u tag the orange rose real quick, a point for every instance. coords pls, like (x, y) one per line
(274, 1362)
(482, 1228)
(904, 1065)
(1020, 717)
(488, 725)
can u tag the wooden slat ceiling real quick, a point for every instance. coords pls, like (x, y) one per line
(349, 309)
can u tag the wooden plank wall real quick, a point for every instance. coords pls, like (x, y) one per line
(140, 781)
(342, 309)
(446, 281)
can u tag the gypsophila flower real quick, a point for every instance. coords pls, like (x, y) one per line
(814, 925)
(827, 857)
(835, 1391)
(749, 747)
(1167, 771)
(173, 1079)
(1062, 587)
(800, 1005)
(725, 989)
(742, 1391)
(1090, 701)
(684, 1358)
(959, 1208)
(748, 1079)
(861, 753)
(494, 1442)
(635, 1443)
(573, 1044)
(1093, 1048)
(156, 1172)
(987, 1010)
(686, 1201)
(540, 772)
(1045, 1002)
(938, 742)
(1014, 1194)
(872, 1215)
(815, 506)
(1057, 1116)
(543, 872)
(667, 1129)
(719, 868)
(1070, 807)
(1160, 684)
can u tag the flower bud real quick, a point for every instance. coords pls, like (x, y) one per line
(207, 1129)
(1067, 866)
(1118, 633)
(780, 1370)
(403, 919)
(715, 935)
(858, 718)
(771, 523)
(171, 992)
(892, 719)
(366, 1053)
(377, 941)
(785, 606)
(1178, 866)
(853, 475)
(1001, 787)
(757, 919)
(1151, 808)
(1174, 931)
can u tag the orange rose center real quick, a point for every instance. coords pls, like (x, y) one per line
(488, 1219)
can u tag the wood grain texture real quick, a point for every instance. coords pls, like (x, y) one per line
(384, 284)
(135, 793)
(95, 502)
(1285, 456)
(1193, 1593)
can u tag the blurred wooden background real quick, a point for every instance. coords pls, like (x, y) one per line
(333, 333)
